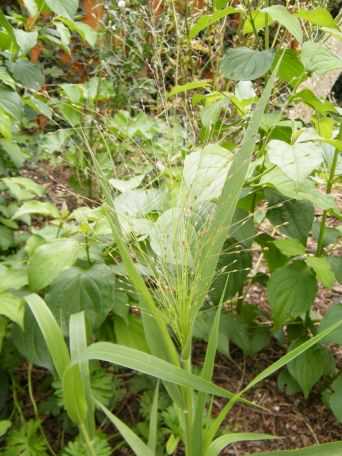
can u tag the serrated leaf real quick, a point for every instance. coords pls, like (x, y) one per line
(309, 367)
(91, 289)
(291, 217)
(291, 291)
(322, 269)
(244, 64)
(49, 260)
(333, 314)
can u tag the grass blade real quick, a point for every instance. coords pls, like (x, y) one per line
(224, 440)
(78, 343)
(217, 422)
(220, 224)
(134, 442)
(151, 365)
(52, 333)
(153, 428)
(326, 449)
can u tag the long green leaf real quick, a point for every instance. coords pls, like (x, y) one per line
(207, 372)
(327, 449)
(150, 365)
(207, 20)
(224, 440)
(217, 422)
(74, 395)
(220, 224)
(135, 442)
(52, 333)
(291, 356)
(156, 332)
(153, 427)
(78, 343)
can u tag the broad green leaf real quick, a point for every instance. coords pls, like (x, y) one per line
(11, 103)
(6, 78)
(14, 152)
(322, 269)
(333, 314)
(87, 33)
(260, 19)
(12, 279)
(205, 172)
(282, 15)
(305, 190)
(10, 31)
(205, 83)
(138, 203)
(46, 209)
(64, 34)
(6, 238)
(312, 100)
(150, 365)
(319, 59)
(49, 260)
(318, 16)
(65, 8)
(90, 288)
(291, 291)
(291, 69)
(297, 161)
(23, 188)
(308, 368)
(335, 264)
(327, 449)
(28, 74)
(51, 332)
(207, 20)
(128, 184)
(244, 64)
(26, 40)
(291, 217)
(290, 247)
(334, 397)
(130, 333)
(39, 106)
(220, 443)
(12, 307)
(74, 92)
(133, 440)
(4, 427)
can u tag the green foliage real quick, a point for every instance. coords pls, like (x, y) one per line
(26, 441)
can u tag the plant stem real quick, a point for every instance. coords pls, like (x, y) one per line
(320, 241)
(88, 442)
(35, 408)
